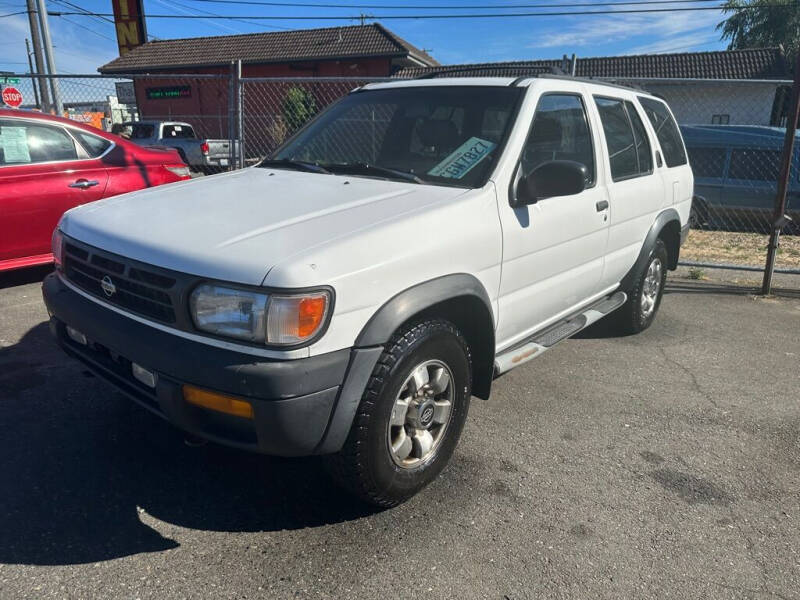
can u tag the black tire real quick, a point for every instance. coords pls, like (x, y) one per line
(631, 318)
(365, 465)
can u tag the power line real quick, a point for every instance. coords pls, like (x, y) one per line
(100, 18)
(88, 12)
(446, 6)
(450, 16)
(199, 10)
(20, 12)
(90, 30)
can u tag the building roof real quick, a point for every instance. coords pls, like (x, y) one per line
(757, 63)
(329, 43)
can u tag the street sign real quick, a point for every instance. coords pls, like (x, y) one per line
(14, 80)
(125, 92)
(12, 97)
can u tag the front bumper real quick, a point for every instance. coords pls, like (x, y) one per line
(294, 401)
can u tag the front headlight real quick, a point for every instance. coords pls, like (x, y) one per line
(279, 319)
(229, 312)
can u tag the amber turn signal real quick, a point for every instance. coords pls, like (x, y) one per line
(218, 402)
(294, 319)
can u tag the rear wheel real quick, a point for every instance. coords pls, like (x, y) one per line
(644, 299)
(410, 417)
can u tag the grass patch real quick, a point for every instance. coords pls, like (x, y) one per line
(739, 248)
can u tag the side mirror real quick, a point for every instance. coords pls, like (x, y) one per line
(552, 178)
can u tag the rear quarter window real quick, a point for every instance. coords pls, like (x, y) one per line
(93, 144)
(667, 131)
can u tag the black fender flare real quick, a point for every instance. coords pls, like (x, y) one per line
(387, 319)
(401, 307)
(663, 218)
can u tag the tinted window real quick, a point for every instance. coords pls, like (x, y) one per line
(24, 143)
(666, 131)
(449, 135)
(643, 151)
(763, 165)
(619, 138)
(560, 131)
(177, 131)
(93, 144)
(140, 132)
(707, 162)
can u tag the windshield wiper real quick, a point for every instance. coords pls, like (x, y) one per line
(290, 163)
(367, 169)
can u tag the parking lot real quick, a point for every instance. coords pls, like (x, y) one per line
(660, 465)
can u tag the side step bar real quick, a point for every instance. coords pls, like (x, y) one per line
(543, 340)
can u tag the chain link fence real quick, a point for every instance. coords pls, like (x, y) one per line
(274, 109)
(734, 132)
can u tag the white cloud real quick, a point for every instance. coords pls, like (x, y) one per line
(662, 30)
(673, 44)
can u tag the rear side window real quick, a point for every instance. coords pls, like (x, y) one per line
(755, 165)
(93, 144)
(140, 132)
(667, 131)
(23, 143)
(629, 153)
(707, 162)
(643, 150)
(560, 131)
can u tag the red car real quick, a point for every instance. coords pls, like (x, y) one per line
(49, 164)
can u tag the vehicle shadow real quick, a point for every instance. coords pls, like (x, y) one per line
(685, 287)
(84, 471)
(24, 276)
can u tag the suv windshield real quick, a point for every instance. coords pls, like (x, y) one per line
(448, 135)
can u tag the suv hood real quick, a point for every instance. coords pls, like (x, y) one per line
(237, 226)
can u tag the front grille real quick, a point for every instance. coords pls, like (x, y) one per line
(136, 289)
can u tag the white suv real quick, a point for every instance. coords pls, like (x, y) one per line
(348, 296)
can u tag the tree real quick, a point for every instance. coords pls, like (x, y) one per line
(762, 24)
(298, 107)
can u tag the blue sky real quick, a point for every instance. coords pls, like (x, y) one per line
(83, 49)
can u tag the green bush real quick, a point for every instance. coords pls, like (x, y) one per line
(298, 107)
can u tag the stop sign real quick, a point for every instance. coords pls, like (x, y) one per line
(12, 97)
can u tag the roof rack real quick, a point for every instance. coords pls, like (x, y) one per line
(594, 81)
(445, 71)
(548, 72)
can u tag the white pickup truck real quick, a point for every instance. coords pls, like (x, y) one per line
(203, 155)
(350, 295)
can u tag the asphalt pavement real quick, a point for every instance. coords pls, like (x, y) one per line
(663, 465)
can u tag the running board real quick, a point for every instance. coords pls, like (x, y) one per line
(543, 340)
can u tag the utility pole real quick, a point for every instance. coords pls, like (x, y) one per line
(778, 217)
(37, 53)
(48, 56)
(30, 70)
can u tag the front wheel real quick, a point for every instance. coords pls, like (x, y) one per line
(644, 299)
(410, 417)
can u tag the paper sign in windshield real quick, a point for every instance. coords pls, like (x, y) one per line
(463, 158)
(14, 142)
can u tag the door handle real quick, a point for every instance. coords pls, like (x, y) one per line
(601, 205)
(84, 184)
